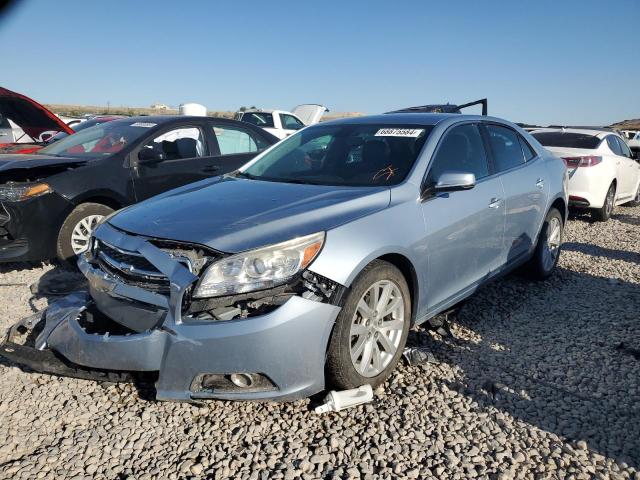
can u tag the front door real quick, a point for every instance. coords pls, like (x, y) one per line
(181, 156)
(630, 171)
(464, 228)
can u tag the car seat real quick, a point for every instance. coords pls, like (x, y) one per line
(170, 150)
(375, 155)
(187, 147)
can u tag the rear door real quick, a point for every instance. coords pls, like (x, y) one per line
(526, 186)
(186, 158)
(464, 228)
(234, 145)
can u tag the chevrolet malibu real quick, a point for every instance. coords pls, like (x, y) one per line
(308, 266)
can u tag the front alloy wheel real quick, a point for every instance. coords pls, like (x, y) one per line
(75, 233)
(376, 328)
(81, 233)
(371, 329)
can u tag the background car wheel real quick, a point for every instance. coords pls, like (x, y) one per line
(547, 253)
(73, 238)
(371, 330)
(603, 214)
(636, 200)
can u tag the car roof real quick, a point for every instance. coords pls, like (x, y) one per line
(586, 131)
(261, 110)
(160, 119)
(408, 119)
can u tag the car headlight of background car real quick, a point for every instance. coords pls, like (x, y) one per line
(259, 269)
(15, 192)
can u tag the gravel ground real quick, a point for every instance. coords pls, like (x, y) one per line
(539, 381)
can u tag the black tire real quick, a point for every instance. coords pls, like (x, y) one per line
(603, 214)
(538, 267)
(64, 250)
(636, 200)
(340, 371)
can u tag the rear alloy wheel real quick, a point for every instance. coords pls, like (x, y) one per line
(547, 252)
(76, 230)
(603, 214)
(371, 329)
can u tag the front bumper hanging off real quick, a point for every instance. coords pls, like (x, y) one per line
(282, 350)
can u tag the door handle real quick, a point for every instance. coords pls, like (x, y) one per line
(540, 183)
(211, 168)
(495, 202)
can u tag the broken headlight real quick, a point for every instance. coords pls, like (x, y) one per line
(258, 269)
(15, 192)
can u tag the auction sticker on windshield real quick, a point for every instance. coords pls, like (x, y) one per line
(399, 132)
(143, 124)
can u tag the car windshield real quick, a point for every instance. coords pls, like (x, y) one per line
(349, 154)
(260, 119)
(77, 127)
(567, 139)
(98, 141)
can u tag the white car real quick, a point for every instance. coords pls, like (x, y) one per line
(634, 142)
(603, 171)
(281, 123)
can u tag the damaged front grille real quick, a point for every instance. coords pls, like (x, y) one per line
(134, 269)
(129, 260)
(130, 268)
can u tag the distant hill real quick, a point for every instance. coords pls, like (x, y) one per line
(82, 110)
(628, 124)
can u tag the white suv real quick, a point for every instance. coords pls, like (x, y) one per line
(603, 172)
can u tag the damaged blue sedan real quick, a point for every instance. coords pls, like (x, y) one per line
(307, 267)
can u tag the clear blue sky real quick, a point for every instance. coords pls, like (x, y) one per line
(537, 61)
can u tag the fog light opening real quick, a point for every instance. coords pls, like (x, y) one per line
(241, 380)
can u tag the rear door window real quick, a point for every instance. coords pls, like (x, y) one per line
(624, 147)
(506, 148)
(612, 141)
(529, 152)
(233, 140)
(461, 150)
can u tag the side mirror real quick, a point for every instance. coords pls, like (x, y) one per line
(454, 181)
(150, 155)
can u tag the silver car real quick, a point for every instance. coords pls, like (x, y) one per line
(308, 266)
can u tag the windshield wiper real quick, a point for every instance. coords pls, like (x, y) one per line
(298, 181)
(238, 173)
(250, 176)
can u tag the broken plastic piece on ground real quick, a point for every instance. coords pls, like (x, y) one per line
(441, 325)
(336, 401)
(418, 355)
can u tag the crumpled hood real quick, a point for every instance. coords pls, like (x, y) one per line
(20, 168)
(29, 115)
(234, 214)
(8, 162)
